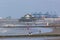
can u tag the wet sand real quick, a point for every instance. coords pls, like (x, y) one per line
(31, 38)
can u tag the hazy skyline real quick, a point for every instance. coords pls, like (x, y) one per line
(18, 8)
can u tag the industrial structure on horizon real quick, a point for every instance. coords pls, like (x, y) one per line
(30, 20)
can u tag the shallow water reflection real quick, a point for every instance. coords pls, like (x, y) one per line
(32, 38)
(21, 31)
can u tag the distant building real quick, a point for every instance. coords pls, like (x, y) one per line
(27, 18)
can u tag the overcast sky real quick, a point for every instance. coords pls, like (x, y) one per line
(18, 8)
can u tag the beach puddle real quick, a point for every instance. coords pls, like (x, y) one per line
(40, 30)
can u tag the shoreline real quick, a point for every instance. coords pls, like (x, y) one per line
(34, 35)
